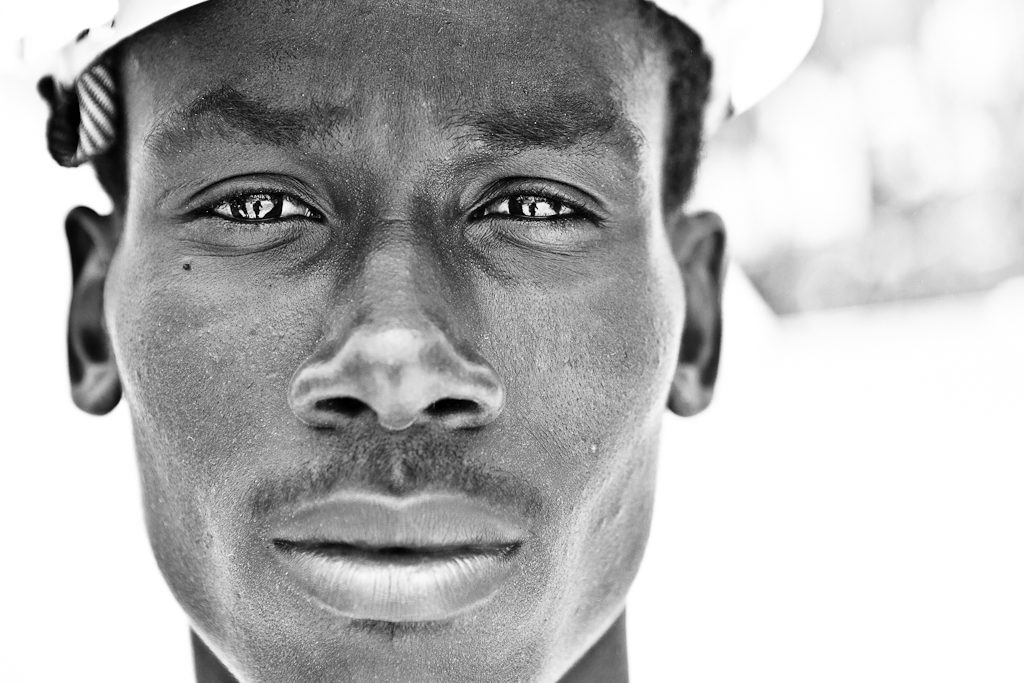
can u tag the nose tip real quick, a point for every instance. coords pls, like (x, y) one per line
(403, 377)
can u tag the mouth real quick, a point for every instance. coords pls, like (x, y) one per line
(380, 558)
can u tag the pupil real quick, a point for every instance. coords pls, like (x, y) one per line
(535, 207)
(257, 207)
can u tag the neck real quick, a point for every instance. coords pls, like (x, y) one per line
(605, 662)
(208, 667)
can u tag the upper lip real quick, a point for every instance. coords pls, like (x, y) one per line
(423, 523)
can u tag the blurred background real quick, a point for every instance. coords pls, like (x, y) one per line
(890, 167)
(852, 506)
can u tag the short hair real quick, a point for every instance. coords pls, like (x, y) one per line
(688, 93)
(689, 89)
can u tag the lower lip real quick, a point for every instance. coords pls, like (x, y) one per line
(399, 588)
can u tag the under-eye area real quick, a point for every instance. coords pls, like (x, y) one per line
(217, 235)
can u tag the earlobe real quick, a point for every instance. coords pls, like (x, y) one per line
(95, 385)
(698, 243)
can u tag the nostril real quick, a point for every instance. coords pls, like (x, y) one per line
(401, 377)
(344, 405)
(446, 407)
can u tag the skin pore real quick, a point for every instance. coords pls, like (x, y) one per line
(317, 189)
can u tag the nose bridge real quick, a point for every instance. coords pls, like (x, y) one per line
(400, 285)
(392, 349)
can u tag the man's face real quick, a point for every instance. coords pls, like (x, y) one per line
(396, 316)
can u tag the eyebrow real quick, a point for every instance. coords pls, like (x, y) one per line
(574, 119)
(578, 119)
(226, 110)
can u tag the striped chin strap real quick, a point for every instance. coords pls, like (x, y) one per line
(96, 129)
(83, 120)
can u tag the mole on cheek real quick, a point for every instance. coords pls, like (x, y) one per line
(186, 266)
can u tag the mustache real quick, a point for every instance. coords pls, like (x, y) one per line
(397, 465)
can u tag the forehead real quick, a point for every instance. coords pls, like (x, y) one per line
(410, 59)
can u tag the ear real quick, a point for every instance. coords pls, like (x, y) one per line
(698, 243)
(95, 385)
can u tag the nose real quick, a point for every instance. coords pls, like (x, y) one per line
(403, 376)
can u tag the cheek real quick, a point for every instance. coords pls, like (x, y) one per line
(588, 364)
(205, 359)
(203, 362)
(588, 368)
(205, 368)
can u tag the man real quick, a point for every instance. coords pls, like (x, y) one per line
(397, 293)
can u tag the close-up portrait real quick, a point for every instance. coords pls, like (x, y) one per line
(586, 341)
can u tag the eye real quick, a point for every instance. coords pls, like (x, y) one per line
(528, 207)
(255, 207)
